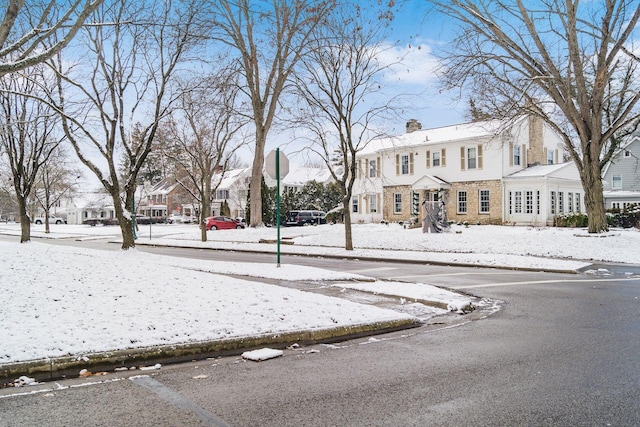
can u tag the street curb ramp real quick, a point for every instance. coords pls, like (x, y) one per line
(70, 366)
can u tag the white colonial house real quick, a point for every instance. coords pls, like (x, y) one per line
(621, 175)
(480, 171)
(233, 188)
(89, 206)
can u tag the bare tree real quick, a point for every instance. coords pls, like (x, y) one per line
(27, 30)
(340, 77)
(58, 178)
(570, 63)
(203, 137)
(8, 203)
(270, 37)
(29, 135)
(124, 77)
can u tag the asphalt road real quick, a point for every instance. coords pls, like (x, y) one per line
(563, 350)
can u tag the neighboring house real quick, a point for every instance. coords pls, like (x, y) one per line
(471, 168)
(621, 175)
(166, 198)
(89, 206)
(299, 176)
(235, 185)
(233, 188)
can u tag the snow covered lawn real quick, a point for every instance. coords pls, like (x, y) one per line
(59, 300)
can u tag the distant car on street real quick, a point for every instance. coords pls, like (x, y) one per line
(222, 223)
(179, 219)
(52, 220)
(305, 217)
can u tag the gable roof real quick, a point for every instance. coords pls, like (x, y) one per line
(299, 175)
(163, 187)
(542, 171)
(430, 182)
(633, 138)
(230, 177)
(92, 200)
(460, 132)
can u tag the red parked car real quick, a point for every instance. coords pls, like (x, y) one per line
(222, 223)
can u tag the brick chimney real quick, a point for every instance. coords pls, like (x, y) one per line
(413, 125)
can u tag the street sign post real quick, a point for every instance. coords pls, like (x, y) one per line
(277, 166)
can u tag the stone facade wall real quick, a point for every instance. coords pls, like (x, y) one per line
(535, 153)
(389, 203)
(473, 214)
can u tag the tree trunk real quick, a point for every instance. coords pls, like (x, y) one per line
(126, 227)
(205, 209)
(593, 197)
(46, 219)
(256, 181)
(348, 237)
(25, 222)
(126, 224)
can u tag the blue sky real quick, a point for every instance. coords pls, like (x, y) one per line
(414, 36)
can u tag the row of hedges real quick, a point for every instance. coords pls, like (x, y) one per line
(571, 220)
(626, 218)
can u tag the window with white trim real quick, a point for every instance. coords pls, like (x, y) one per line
(578, 207)
(550, 156)
(373, 168)
(436, 158)
(516, 155)
(517, 200)
(528, 202)
(472, 160)
(616, 182)
(373, 203)
(397, 203)
(553, 203)
(354, 204)
(484, 201)
(560, 202)
(404, 164)
(462, 202)
(570, 202)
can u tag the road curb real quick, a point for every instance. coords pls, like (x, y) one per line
(69, 367)
(363, 258)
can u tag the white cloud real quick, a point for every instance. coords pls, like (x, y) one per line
(410, 64)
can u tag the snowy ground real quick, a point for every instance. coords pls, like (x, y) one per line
(61, 300)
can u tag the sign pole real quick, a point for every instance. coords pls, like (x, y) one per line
(278, 201)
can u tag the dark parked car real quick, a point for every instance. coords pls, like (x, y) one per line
(222, 223)
(305, 218)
